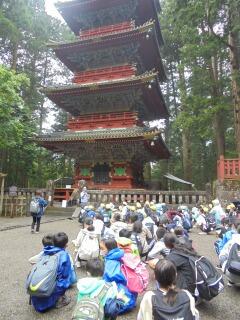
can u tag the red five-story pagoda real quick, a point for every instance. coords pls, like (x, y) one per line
(115, 91)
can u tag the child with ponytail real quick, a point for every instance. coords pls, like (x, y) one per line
(167, 302)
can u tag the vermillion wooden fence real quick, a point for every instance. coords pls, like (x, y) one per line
(228, 169)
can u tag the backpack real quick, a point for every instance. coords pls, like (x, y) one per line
(90, 214)
(181, 309)
(42, 279)
(89, 248)
(208, 282)
(106, 218)
(137, 241)
(150, 227)
(91, 308)
(140, 216)
(187, 223)
(210, 223)
(135, 273)
(233, 262)
(34, 206)
(83, 215)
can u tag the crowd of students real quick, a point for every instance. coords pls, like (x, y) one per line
(119, 246)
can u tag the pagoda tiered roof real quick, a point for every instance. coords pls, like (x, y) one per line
(137, 93)
(138, 45)
(129, 144)
(89, 14)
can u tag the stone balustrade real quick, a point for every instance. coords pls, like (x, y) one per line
(133, 196)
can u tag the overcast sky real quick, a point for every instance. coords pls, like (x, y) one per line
(51, 9)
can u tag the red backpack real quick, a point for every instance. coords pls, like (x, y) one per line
(135, 272)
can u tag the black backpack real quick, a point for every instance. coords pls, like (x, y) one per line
(210, 223)
(233, 262)
(209, 283)
(181, 309)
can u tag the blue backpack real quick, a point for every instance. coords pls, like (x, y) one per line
(187, 225)
(42, 279)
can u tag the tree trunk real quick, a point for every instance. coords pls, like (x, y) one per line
(14, 56)
(186, 155)
(235, 71)
(186, 136)
(218, 117)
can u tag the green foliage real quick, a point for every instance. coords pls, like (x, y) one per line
(195, 33)
(25, 29)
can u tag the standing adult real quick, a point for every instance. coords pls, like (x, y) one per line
(84, 197)
(37, 206)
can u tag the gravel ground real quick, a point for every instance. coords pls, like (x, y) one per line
(18, 245)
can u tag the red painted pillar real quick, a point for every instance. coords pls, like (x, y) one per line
(220, 171)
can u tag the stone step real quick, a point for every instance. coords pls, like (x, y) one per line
(58, 211)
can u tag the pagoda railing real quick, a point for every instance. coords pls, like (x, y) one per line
(110, 73)
(133, 196)
(228, 169)
(110, 120)
(110, 29)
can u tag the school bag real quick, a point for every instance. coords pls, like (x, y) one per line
(91, 308)
(89, 248)
(233, 262)
(135, 273)
(34, 206)
(137, 241)
(181, 309)
(150, 227)
(42, 279)
(210, 223)
(106, 218)
(187, 223)
(208, 282)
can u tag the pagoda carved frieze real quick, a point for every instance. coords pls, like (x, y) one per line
(106, 16)
(127, 100)
(107, 151)
(118, 55)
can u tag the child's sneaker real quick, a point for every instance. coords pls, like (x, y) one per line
(63, 301)
(32, 231)
(230, 284)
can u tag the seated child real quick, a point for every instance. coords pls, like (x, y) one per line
(125, 243)
(47, 241)
(117, 225)
(167, 302)
(159, 249)
(98, 224)
(112, 272)
(183, 237)
(58, 298)
(112, 257)
(93, 283)
(230, 259)
(87, 243)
